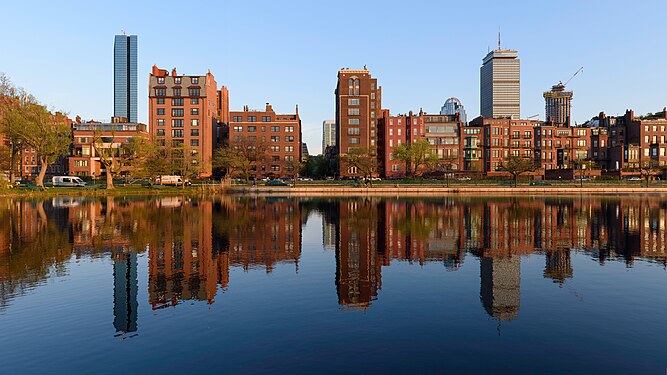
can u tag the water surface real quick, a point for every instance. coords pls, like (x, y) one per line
(249, 285)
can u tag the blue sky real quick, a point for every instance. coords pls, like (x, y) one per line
(288, 52)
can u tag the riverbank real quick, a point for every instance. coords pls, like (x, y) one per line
(429, 191)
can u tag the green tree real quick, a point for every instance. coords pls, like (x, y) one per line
(415, 155)
(517, 165)
(47, 133)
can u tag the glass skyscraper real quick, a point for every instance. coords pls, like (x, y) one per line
(125, 77)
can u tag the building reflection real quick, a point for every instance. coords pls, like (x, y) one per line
(193, 245)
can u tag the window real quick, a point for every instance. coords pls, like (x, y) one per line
(194, 142)
(289, 148)
(194, 101)
(160, 92)
(160, 111)
(160, 122)
(177, 92)
(194, 132)
(353, 102)
(266, 118)
(252, 129)
(355, 131)
(177, 133)
(289, 138)
(194, 111)
(160, 132)
(237, 118)
(289, 129)
(177, 102)
(194, 122)
(252, 118)
(238, 129)
(177, 123)
(195, 80)
(353, 111)
(353, 121)
(193, 92)
(177, 112)
(275, 129)
(275, 138)
(160, 100)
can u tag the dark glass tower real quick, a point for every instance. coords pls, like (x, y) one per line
(125, 77)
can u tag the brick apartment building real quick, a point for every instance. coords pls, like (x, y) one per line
(358, 107)
(84, 160)
(281, 133)
(183, 111)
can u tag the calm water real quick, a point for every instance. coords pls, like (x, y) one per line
(239, 285)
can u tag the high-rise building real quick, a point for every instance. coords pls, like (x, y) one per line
(557, 104)
(453, 106)
(328, 134)
(125, 77)
(358, 105)
(182, 111)
(500, 76)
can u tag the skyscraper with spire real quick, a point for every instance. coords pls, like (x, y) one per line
(500, 83)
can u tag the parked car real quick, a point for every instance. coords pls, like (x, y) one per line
(67, 181)
(275, 183)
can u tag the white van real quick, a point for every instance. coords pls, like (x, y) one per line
(67, 181)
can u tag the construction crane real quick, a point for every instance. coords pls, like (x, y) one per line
(574, 75)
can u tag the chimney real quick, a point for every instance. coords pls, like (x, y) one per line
(173, 72)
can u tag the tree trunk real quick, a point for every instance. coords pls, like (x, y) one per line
(42, 172)
(109, 179)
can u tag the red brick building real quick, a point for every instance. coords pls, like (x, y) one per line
(183, 111)
(280, 133)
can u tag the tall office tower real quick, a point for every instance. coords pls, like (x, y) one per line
(328, 134)
(182, 111)
(557, 104)
(125, 77)
(453, 106)
(358, 105)
(500, 78)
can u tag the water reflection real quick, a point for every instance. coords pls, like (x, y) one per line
(191, 244)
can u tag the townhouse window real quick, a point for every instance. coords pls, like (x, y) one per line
(160, 111)
(194, 122)
(252, 118)
(252, 129)
(193, 92)
(160, 80)
(266, 118)
(194, 132)
(237, 118)
(160, 132)
(177, 92)
(194, 142)
(194, 111)
(238, 129)
(289, 129)
(289, 138)
(177, 112)
(195, 80)
(177, 102)
(194, 101)
(177, 133)
(160, 100)
(177, 123)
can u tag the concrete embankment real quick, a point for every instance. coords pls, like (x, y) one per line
(414, 191)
